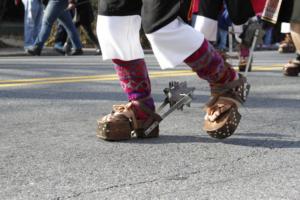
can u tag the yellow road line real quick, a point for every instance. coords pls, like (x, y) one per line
(109, 77)
(26, 82)
(83, 77)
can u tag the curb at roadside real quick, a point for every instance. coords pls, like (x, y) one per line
(47, 51)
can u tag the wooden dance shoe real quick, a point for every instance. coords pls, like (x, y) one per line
(122, 123)
(222, 116)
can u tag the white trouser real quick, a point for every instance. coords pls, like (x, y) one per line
(172, 44)
(207, 26)
(285, 27)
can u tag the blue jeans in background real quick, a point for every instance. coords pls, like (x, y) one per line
(222, 39)
(33, 15)
(56, 9)
(268, 37)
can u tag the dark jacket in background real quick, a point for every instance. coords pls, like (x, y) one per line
(85, 12)
(286, 10)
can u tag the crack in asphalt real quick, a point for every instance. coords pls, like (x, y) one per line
(175, 177)
(106, 188)
(226, 180)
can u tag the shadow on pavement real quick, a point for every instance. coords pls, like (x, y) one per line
(249, 142)
(70, 92)
(54, 94)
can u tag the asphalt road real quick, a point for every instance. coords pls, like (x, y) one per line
(48, 148)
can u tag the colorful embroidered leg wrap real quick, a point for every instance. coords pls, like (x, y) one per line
(244, 51)
(209, 65)
(136, 116)
(244, 56)
(135, 82)
(227, 90)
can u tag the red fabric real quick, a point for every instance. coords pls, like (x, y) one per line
(17, 2)
(195, 6)
(258, 6)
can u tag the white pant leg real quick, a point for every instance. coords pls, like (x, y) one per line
(119, 37)
(173, 43)
(285, 27)
(207, 26)
(237, 29)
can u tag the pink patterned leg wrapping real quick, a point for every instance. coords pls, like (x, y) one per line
(135, 82)
(209, 65)
(244, 51)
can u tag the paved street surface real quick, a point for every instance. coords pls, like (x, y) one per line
(49, 149)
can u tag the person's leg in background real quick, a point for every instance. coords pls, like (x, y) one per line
(38, 13)
(66, 20)
(88, 29)
(56, 10)
(286, 44)
(28, 40)
(85, 19)
(33, 14)
(244, 52)
(53, 9)
(63, 44)
(222, 39)
(293, 67)
(295, 32)
(268, 37)
(60, 39)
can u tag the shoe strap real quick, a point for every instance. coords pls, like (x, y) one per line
(152, 115)
(233, 91)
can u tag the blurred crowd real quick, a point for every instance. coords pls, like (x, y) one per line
(276, 23)
(41, 15)
(217, 20)
(80, 13)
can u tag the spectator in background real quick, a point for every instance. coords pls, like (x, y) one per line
(293, 66)
(206, 12)
(57, 9)
(83, 16)
(223, 24)
(287, 44)
(277, 12)
(268, 38)
(33, 14)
